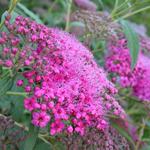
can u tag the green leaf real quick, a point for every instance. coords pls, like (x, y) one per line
(3, 19)
(58, 146)
(6, 82)
(32, 138)
(29, 13)
(3, 16)
(133, 42)
(42, 146)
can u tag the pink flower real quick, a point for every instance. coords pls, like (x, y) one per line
(63, 79)
(31, 104)
(19, 82)
(70, 129)
(118, 63)
(8, 63)
(28, 88)
(56, 127)
(40, 119)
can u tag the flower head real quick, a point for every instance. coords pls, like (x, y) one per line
(63, 79)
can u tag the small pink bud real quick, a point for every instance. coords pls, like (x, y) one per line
(70, 129)
(8, 63)
(19, 82)
(38, 78)
(27, 62)
(14, 50)
(28, 88)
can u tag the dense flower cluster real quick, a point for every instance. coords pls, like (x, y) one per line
(109, 140)
(118, 63)
(65, 86)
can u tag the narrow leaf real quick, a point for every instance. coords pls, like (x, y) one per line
(6, 82)
(32, 138)
(29, 13)
(133, 42)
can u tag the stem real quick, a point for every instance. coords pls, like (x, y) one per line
(118, 7)
(135, 12)
(11, 7)
(129, 8)
(52, 6)
(140, 136)
(68, 15)
(17, 93)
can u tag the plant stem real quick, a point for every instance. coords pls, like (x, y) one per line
(52, 6)
(17, 93)
(10, 9)
(135, 12)
(140, 136)
(116, 8)
(68, 15)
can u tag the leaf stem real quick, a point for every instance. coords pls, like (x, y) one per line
(135, 12)
(68, 15)
(10, 9)
(17, 93)
(140, 135)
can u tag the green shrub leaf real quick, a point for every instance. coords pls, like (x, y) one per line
(133, 42)
(6, 82)
(29, 13)
(32, 138)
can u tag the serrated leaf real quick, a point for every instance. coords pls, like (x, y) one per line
(32, 138)
(133, 42)
(29, 13)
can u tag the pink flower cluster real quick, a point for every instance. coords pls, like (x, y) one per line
(66, 88)
(118, 64)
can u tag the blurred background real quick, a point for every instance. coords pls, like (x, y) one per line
(52, 12)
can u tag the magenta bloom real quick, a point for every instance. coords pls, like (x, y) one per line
(64, 80)
(31, 104)
(118, 64)
(40, 119)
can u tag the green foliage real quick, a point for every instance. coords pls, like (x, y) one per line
(32, 138)
(6, 81)
(29, 13)
(133, 42)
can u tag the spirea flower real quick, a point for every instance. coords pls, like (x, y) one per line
(65, 86)
(118, 64)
